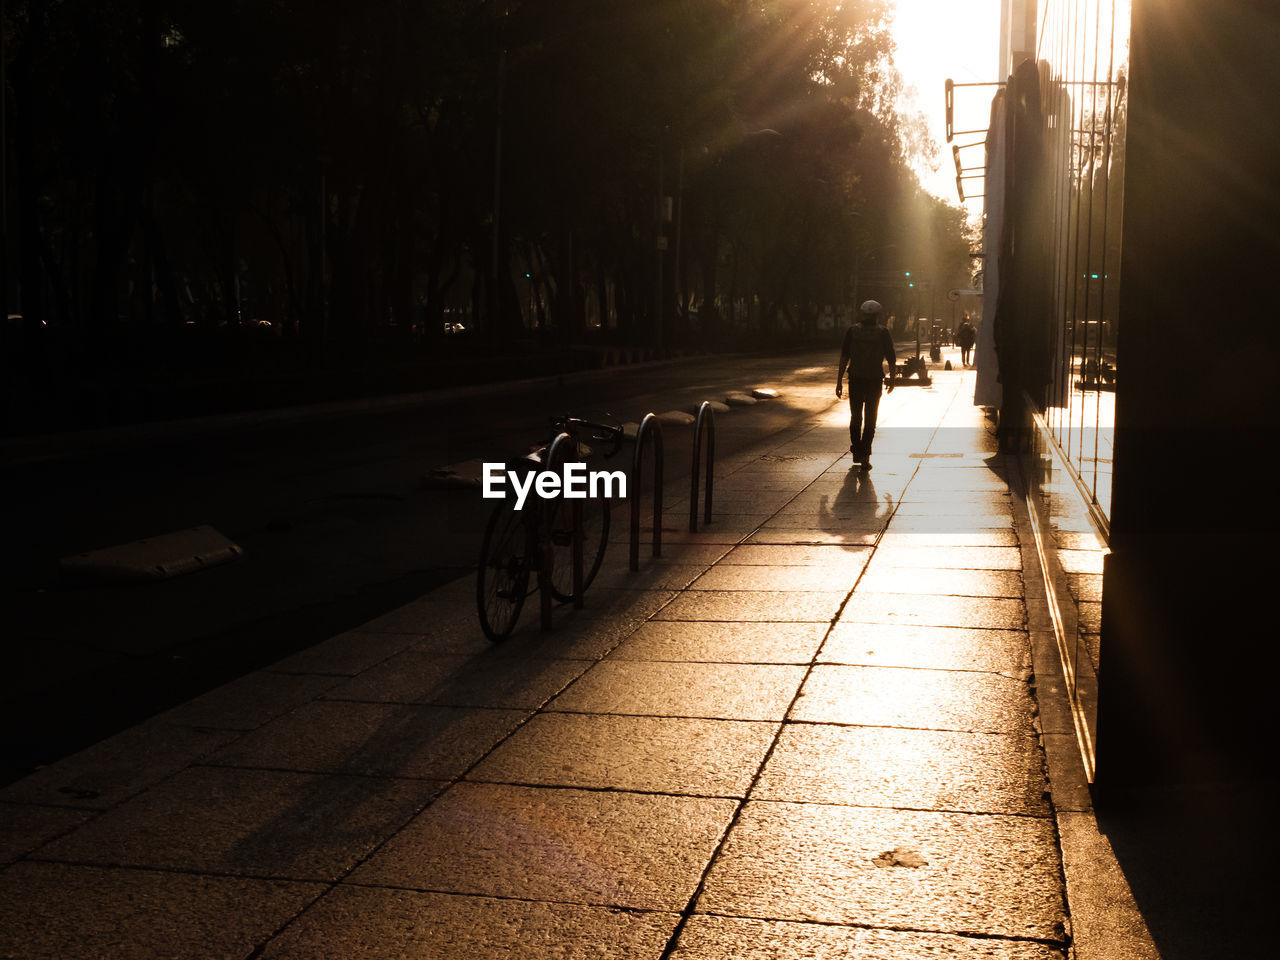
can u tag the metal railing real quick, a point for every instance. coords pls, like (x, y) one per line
(650, 427)
(556, 456)
(707, 417)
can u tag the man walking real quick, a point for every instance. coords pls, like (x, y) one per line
(965, 338)
(866, 347)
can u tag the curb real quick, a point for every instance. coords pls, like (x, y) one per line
(1105, 922)
(152, 558)
(52, 447)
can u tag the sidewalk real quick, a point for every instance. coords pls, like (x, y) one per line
(809, 731)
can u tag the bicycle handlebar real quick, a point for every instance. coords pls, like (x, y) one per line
(599, 432)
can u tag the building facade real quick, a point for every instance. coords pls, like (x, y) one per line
(1132, 193)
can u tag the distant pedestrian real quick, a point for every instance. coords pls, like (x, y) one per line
(965, 337)
(866, 348)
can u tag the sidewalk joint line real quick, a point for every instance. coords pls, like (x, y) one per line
(851, 924)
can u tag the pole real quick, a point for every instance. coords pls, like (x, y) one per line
(675, 264)
(657, 252)
(495, 287)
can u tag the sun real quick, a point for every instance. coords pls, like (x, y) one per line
(940, 39)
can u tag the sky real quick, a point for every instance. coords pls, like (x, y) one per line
(959, 39)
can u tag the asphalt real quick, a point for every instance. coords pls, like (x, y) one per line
(825, 725)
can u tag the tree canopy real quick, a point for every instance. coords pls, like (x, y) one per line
(642, 170)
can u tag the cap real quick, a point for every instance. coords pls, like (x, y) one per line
(870, 306)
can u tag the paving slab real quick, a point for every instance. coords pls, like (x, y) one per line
(725, 691)
(651, 754)
(672, 553)
(935, 648)
(423, 616)
(1081, 561)
(347, 654)
(948, 499)
(570, 638)
(919, 539)
(945, 523)
(711, 642)
(380, 924)
(608, 603)
(631, 850)
(250, 701)
(851, 558)
(420, 675)
(264, 823)
(852, 523)
(739, 605)
(407, 676)
(1076, 533)
(726, 528)
(1085, 586)
(834, 578)
(736, 938)
(742, 483)
(970, 505)
(960, 479)
(417, 741)
(818, 506)
(979, 557)
(985, 875)
(943, 581)
(808, 536)
(933, 610)
(845, 485)
(667, 576)
(109, 772)
(921, 699)
(916, 769)
(1089, 616)
(750, 471)
(26, 827)
(740, 502)
(53, 911)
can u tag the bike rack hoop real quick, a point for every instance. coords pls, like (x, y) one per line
(650, 430)
(706, 416)
(557, 456)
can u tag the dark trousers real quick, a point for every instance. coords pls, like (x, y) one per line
(864, 402)
(964, 355)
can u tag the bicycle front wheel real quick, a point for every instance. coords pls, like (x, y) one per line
(502, 575)
(595, 539)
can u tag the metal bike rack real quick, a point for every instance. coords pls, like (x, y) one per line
(556, 456)
(650, 426)
(706, 415)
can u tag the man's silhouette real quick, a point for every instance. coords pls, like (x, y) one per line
(866, 347)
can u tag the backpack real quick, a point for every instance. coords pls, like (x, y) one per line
(865, 346)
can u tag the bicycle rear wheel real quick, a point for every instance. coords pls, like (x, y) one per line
(502, 575)
(595, 539)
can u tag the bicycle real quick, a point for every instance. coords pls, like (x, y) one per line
(514, 540)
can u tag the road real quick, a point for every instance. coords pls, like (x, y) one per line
(334, 519)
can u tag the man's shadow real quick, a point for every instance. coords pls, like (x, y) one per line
(857, 513)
